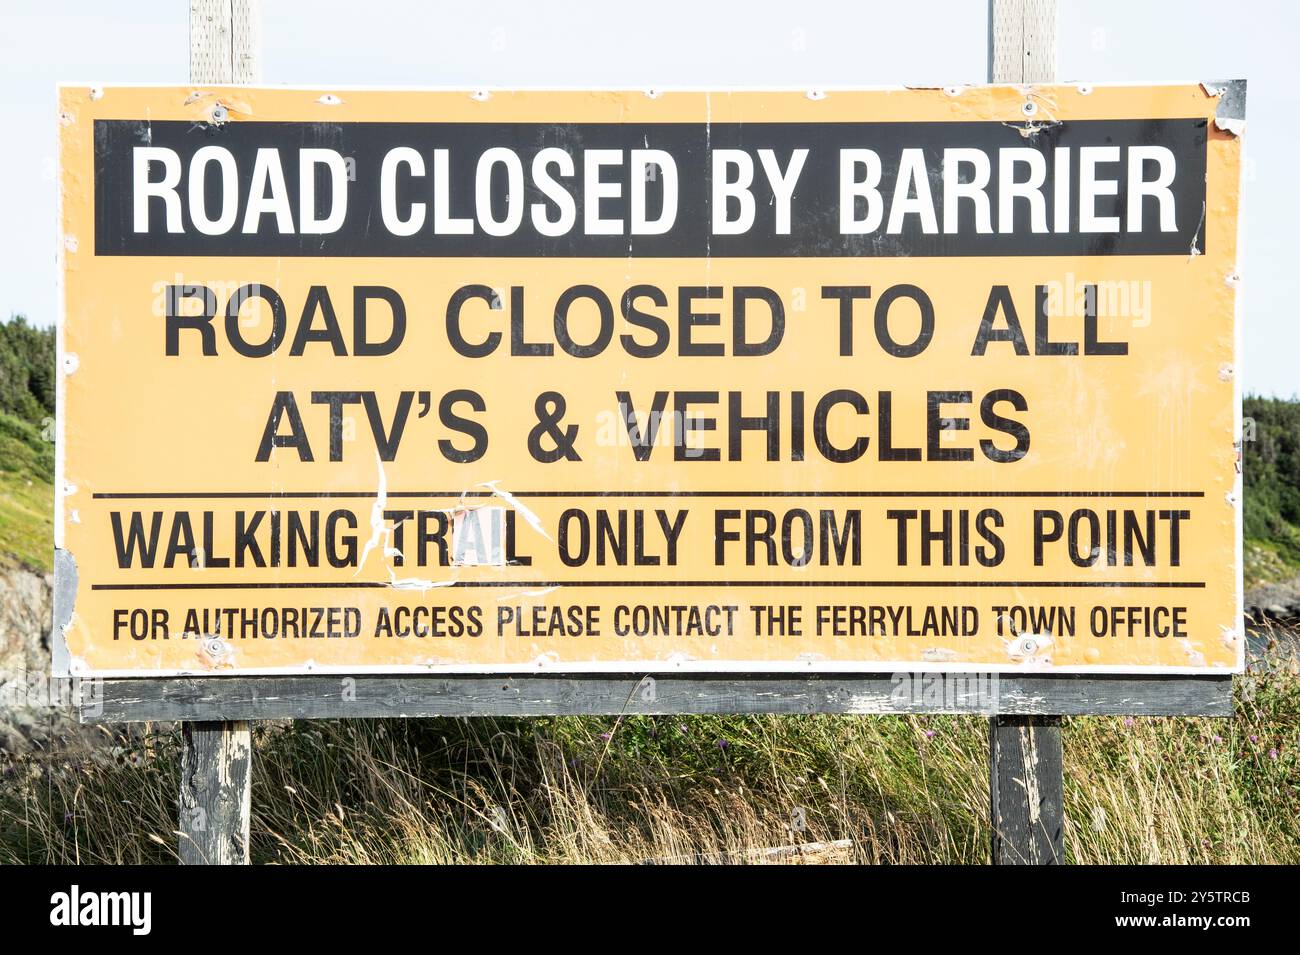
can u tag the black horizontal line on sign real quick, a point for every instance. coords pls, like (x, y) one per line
(878, 584)
(203, 495)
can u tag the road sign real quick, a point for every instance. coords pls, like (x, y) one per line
(381, 381)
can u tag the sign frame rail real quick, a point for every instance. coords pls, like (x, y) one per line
(239, 698)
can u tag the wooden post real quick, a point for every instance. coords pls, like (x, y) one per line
(1026, 794)
(1026, 785)
(216, 760)
(225, 41)
(216, 766)
(1022, 41)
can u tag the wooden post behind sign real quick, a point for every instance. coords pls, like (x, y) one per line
(1026, 790)
(216, 759)
(225, 41)
(215, 796)
(1026, 784)
(1022, 41)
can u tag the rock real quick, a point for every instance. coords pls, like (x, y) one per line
(33, 707)
(26, 612)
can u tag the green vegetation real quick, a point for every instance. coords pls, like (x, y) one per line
(27, 383)
(27, 389)
(1271, 472)
(900, 789)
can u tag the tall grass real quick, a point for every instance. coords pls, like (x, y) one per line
(901, 789)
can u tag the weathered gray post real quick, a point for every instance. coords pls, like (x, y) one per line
(216, 759)
(1026, 790)
(1022, 41)
(215, 795)
(1026, 785)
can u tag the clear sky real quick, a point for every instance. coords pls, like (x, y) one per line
(603, 43)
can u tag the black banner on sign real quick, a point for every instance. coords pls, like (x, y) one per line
(1112, 187)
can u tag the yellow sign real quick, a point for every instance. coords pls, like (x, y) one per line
(590, 381)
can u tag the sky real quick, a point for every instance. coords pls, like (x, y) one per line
(638, 45)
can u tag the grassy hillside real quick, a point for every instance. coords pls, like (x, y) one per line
(898, 789)
(27, 391)
(1271, 472)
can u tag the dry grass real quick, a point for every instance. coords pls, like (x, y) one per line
(584, 790)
